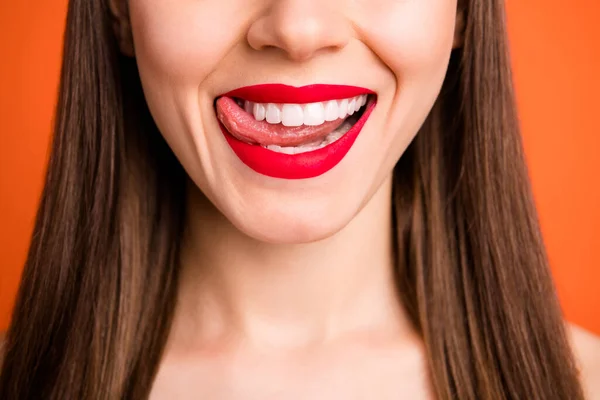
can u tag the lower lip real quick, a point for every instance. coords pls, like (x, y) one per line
(297, 166)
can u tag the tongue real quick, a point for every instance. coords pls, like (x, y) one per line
(243, 126)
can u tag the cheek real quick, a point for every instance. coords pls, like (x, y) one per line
(412, 37)
(182, 43)
(178, 44)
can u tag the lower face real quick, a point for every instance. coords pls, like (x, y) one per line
(289, 115)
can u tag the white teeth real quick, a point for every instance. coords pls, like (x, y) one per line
(331, 110)
(273, 114)
(343, 108)
(358, 104)
(314, 114)
(279, 149)
(259, 112)
(292, 115)
(351, 106)
(310, 114)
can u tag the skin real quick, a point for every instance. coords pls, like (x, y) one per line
(287, 288)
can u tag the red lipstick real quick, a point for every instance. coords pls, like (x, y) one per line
(279, 93)
(302, 165)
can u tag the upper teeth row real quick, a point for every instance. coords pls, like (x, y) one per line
(311, 114)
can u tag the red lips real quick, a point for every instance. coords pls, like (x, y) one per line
(303, 165)
(279, 93)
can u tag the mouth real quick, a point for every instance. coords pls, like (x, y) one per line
(293, 133)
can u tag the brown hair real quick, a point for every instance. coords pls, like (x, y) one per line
(97, 294)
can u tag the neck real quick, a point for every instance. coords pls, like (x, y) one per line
(287, 294)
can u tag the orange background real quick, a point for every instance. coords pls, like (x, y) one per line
(556, 56)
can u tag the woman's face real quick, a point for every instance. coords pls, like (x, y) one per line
(191, 53)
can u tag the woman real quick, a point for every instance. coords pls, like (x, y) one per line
(288, 199)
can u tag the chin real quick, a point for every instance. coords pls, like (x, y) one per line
(292, 222)
(293, 231)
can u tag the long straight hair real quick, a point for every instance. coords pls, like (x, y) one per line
(98, 291)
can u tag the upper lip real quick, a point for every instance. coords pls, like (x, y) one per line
(280, 93)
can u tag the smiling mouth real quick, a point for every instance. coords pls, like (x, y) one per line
(290, 128)
(293, 133)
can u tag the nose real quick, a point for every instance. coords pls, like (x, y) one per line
(300, 28)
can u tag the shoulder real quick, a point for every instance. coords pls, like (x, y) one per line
(586, 347)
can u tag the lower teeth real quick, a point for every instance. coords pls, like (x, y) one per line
(330, 138)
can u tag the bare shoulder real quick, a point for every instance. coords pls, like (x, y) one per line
(586, 346)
